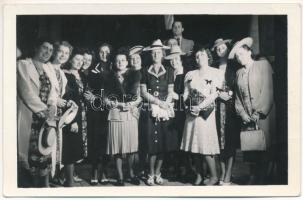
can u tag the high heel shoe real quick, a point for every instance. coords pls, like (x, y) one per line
(94, 182)
(211, 182)
(198, 181)
(120, 182)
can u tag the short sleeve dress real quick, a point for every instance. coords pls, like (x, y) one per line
(199, 134)
(158, 136)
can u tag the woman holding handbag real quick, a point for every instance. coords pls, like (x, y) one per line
(200, 132)
(255, 103)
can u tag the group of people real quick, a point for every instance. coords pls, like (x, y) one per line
(183, 108)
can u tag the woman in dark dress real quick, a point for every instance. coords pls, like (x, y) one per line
(88, 57)
(228, 123)
(157, 86)
(72, 149)
(97, 115)
(178, 158)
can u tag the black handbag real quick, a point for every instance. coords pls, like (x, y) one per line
(207, 111)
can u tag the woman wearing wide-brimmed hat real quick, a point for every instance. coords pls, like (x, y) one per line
(228, 123)
(135, 57)
(174, 57)
(157, 86)
(255, 103)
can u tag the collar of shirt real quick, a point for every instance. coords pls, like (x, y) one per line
(152, 71)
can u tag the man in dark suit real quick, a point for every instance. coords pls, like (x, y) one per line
(185, 44)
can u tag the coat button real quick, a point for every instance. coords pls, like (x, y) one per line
(156, 141)
(156, 132)
(157, 81)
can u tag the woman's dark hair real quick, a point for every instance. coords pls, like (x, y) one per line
(215, 55)
(37, 43)
(90, 52)
(76, 51)
(206, 49)
(104, 45)
(121, 51)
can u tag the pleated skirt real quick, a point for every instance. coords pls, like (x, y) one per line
(122, 135)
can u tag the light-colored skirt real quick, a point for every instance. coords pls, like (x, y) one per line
(122, 134)
(200, 135)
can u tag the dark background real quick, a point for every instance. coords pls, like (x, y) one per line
(121, 30)
(268, 31)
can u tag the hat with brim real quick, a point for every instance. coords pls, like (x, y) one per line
(157, 44)
(47, 137)
(174, 52)
(136, 50)
(246, 41)
(220, 41)
(69, 115)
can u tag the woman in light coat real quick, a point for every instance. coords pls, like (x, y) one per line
(255, 104)
(33, 107)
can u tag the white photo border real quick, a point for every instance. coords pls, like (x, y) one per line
(9, 151)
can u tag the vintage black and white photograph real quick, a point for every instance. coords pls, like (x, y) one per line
(147, 100)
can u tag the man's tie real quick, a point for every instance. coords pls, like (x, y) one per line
(179, 41)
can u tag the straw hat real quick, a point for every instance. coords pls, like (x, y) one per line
(220, 41)
(136, 50)
(248, 41)
(157, 44)
(68, 115)
(174, 51)
(47, 137)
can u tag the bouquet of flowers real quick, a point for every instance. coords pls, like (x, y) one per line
(195, 99)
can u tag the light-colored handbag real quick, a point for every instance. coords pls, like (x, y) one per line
(253, 140)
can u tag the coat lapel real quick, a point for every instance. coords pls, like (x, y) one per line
(64, 82)
(33, 73)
